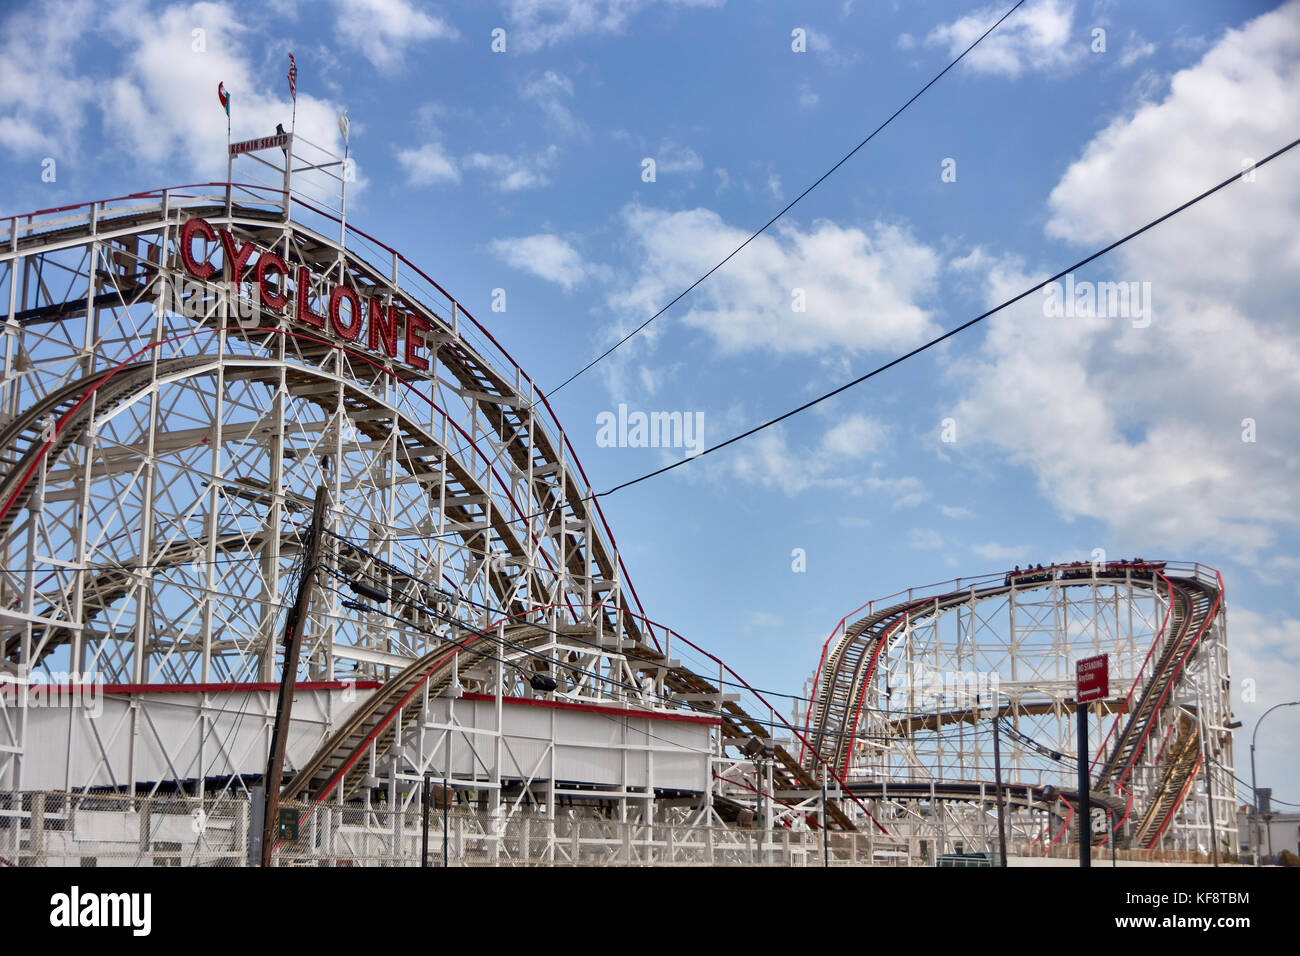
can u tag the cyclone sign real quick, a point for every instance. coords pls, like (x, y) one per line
(384, 324)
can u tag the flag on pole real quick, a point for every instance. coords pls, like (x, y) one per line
(293, 79)
(224, 97)
(343, 126)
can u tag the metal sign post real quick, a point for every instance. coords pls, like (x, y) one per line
(1085, 801)
(1092, 682)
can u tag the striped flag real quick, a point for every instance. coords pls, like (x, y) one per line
(224, 97)
(293, 79)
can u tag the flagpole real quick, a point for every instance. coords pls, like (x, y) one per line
(224, 97)
(293, 93)
(293, 129)
(344, 128)
(230, 165)
(343, 212)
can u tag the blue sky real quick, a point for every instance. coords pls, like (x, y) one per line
(523, 171)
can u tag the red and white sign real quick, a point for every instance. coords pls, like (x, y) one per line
(1092, 676)
(284, 291)
(254, 145)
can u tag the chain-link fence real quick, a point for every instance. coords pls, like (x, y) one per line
(58, 829)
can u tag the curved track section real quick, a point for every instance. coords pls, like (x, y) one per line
(128, 380)
(184, 368)
(358, 747)
(1153, 735)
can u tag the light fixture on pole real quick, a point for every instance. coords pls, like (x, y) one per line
(1254, 791)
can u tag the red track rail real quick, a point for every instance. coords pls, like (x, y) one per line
(172, 193)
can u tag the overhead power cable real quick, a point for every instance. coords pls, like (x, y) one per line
(794, 202)
(914, 352)
(954, 331)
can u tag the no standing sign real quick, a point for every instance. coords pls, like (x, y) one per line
(1092, 677)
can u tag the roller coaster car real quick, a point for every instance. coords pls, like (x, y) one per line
(1031, 575)
(1119, 569)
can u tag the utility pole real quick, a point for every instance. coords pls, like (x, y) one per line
(997, 776)
(1092, 683)
(293, 625)
(1110, 819)
(1209, 786)
(826, 833)
(1085, 797)
(424, 822)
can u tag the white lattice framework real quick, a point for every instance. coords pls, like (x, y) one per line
(162, 436)
(169, 405)
(959, 655)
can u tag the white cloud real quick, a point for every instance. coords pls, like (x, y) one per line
(853, 437)
(821, 45)
(1142, 427)
(43, 100)
(993, 551)
(906, 492)
(163, 103)
(534, 24)
(673, 158)
(774, 186)
(513, 173)
(1034, 38)
(924, 539)
(807, 98)
(1135, 49)
(950, 511)
(546, 256)
(767, 460)
(860, 288)
(159, 104)
(762, 619)
(1265, 649)
(384, 30)
(428, 165)
(148, 108)
(551, 91)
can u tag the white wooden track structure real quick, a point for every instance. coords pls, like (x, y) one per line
(910, 689)
(183, 368)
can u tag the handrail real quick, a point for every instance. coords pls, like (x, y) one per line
(165, 195)
(921, 596)
(1138, 676)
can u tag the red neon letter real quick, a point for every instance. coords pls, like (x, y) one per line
(236, 259)
(305, 314)
(416, 326)
(383, 327)
(200, 270)
(352, 329)
(267, 262)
